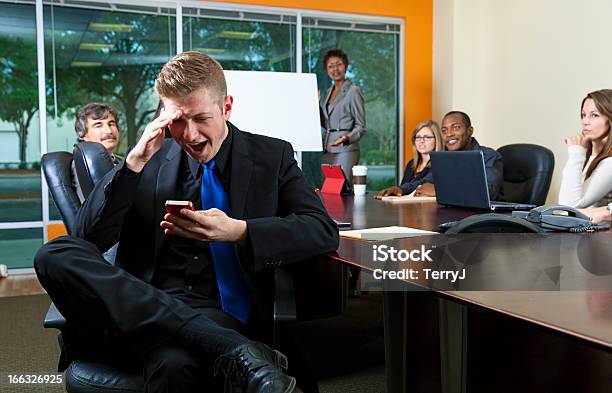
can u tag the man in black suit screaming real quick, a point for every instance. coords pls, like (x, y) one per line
(190, 291)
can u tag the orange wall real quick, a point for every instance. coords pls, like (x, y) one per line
(418, 23)
(56, 230)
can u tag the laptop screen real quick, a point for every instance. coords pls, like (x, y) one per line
(460, 179)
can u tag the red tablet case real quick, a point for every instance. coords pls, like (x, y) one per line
(335, 181)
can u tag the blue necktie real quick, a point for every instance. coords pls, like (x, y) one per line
(235, 298)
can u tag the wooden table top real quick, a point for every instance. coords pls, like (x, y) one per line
(579, 306)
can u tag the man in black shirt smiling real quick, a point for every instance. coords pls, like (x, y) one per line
(457, 132)
(190, 292)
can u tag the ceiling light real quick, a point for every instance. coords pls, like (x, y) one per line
(110, 27)
(92, 46)
(211, 51)
(236, 35)
(85, 64)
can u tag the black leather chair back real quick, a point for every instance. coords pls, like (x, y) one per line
(91, 162)
(528, 171)
(57, 170)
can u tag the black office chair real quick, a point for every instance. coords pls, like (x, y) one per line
(91, 163)
(528, 171)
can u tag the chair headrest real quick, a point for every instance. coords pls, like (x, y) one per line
(91, 162)
(523, 161)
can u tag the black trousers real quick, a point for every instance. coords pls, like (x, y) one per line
(116, 318)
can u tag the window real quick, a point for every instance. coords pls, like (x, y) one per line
(242, 41)
(19, 246)
(20, 188)
(378, 81)
(105, 56)
(20, 197)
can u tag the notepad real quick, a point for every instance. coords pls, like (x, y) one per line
(410, 198)
(384, 233)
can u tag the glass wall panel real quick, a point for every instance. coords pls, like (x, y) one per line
(373, 55)
(105, 56)
(241, 41)
(20, 197)
(19, 246)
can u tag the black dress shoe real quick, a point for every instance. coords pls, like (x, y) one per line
(255, 368)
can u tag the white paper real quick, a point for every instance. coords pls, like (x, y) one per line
(385, 233)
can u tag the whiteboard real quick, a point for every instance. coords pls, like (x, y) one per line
(282, 105)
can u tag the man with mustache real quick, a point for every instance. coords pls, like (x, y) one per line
(96, 122)
(457, 133)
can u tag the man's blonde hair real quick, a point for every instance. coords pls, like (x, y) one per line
(188, 72)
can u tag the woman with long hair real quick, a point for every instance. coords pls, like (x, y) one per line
(587, 176)
(426, 137)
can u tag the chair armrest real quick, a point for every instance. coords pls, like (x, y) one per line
(311, 289)
(284, 296)
(54, 319)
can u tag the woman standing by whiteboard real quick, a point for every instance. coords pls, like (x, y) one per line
(343, 115)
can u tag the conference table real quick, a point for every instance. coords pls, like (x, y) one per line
(534, 304)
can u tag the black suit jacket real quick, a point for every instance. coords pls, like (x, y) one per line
(286, 220)
(494, 167)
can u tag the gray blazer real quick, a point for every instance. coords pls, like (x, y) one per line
(344, 116)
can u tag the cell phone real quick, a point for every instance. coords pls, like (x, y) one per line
(160, 107)
(174, 207)
(342, 224)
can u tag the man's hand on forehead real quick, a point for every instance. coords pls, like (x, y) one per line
(151, 140)
(170, 114)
